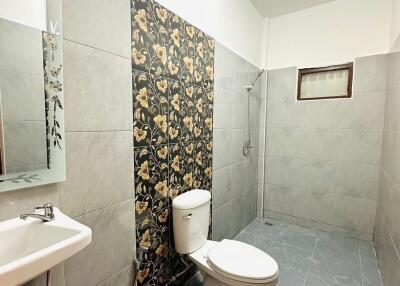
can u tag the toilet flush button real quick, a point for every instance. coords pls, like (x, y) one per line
(188, 216)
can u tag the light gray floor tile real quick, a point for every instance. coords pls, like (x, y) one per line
(258, 234)
(297, 236)
(259, 228)
(313, 280)
(293, 263)
(369, 265)
(336, 260)
(335, 247)
(335, 272)
(367, 254)
(310, 258)
(263, 243)
(372, 278)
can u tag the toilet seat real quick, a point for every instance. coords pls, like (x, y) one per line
(242, 262)
(201, 258)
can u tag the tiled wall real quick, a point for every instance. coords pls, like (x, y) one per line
(99, 151)
(173, 90)
(234, 175)
(387, 229)
(23, 115)
(323, 156)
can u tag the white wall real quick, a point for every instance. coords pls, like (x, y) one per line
(28, 12)
(234, 23)
(330, 33)
(395, 25)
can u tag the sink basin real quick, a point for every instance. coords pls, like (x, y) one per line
(30, 247)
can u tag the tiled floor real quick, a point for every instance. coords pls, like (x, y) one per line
(308, 257)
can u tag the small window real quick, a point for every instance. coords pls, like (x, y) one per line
(325, 83)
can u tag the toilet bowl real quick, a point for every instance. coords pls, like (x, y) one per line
(228, 262)
(234, 263)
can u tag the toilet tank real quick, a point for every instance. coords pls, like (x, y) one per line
(191, 217)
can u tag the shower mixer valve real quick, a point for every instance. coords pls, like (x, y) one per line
(247, 148)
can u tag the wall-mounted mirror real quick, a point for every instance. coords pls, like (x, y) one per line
(31, 94)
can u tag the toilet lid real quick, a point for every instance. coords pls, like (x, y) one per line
(241, 261)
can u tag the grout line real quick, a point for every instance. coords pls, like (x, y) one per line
(25, 120)
(326, 128)
(381, 277)
(359, 258)
(313, 221)
(102, 208)
(95, 48)
(322, 160)
(377, 262)
(309, 265)
(39, 75)
(97, 131)
(116, 273)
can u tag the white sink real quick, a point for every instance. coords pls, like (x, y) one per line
(30, 247)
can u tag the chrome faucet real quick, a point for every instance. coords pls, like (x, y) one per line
(48, 213)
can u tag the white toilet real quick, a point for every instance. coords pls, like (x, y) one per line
(227, 262)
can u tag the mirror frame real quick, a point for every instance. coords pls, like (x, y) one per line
(54, 107)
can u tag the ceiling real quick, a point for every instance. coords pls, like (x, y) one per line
(273, 8)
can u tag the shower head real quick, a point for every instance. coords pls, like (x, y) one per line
(250, 87)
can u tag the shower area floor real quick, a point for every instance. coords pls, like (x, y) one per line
(308, 257)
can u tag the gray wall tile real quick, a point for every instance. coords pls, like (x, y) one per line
(223, 95)
(235, 176)
(237, 218)
(326, 153)
(102, 24)
(123, 278)
(56, 276)
(222, 148)
(224, 66)
(221, 223)
(357, 180)
(370, 74)
(23, 201)
(359, 146)
(222, 116)
(99, 171)
(102, 85)
(238, 138)
(222, 183)
(101, 259)
(238, 178)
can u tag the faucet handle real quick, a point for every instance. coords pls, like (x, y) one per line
(48, 210)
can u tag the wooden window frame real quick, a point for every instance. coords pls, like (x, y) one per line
(348, 66)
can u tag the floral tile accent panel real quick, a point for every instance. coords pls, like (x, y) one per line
(153, 247)
(202, 172)
(151, 179)
(150, 36)
(204, 73)
(181, 168)
(173, 87)
(150, 109)
(203, 103)
(181, 112)
(152, 211)
(181, 52)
